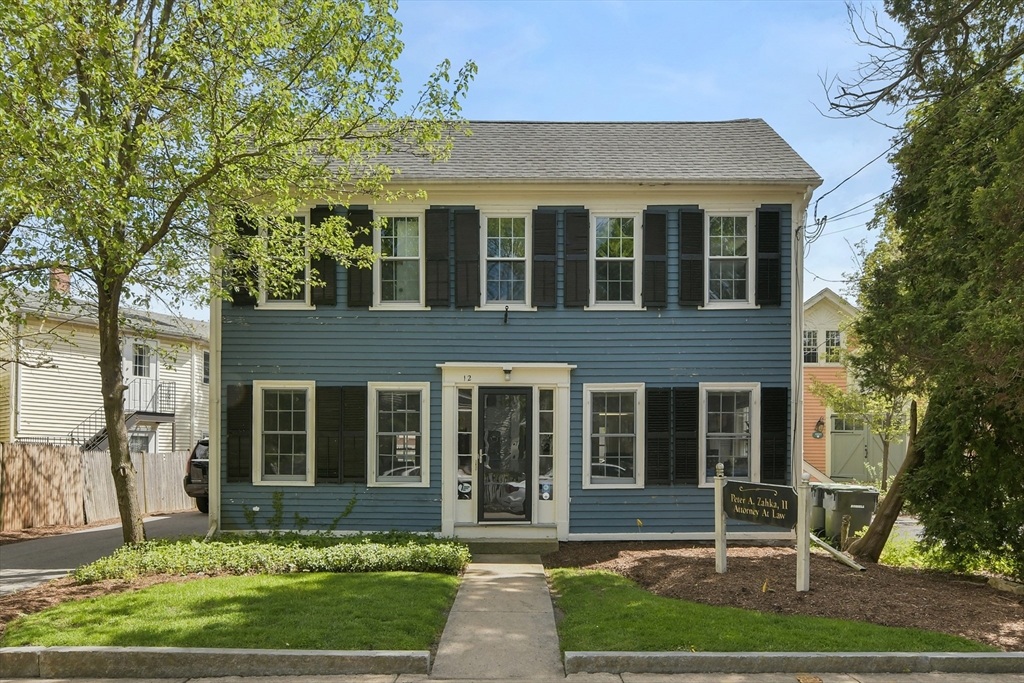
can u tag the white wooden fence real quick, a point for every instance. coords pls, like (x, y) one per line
(42, 485)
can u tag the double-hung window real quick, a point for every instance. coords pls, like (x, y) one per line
(810, 346)
(730, 429)
(287, 290)
(400, 428)
(730, 251)
(283, 432)
(616, 267)
(399, 270)
(613, 436)
(506, 268)
(833, 342)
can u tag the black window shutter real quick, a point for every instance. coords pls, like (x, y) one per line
(687, 421)
(691, 258)
(325, 266)
(655, 259)
(328, 434)
(241, 296)
(769, 258)
(774, 453)
(239, 432)
(658, 438)
(467, 258)
(545, 259)
(436, 276)
(353, 433)
(360, 280)
(577, 259)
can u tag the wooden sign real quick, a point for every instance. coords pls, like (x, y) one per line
(760, 503)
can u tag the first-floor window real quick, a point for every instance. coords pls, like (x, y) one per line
(400, 424)
(729, 424)
(284, 424)
(613, 441)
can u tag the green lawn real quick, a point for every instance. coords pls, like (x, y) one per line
(379, 611)
(604, 611)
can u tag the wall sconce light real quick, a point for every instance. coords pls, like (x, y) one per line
(508, 373)
(819, 428)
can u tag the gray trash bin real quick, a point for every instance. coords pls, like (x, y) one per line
(857, 501)
(817, 507)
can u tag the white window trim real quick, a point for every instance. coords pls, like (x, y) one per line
(486, 305)
(638, 262)
(823, 352)
(420, 216)
(306, 304)
(371, 432)
(638, 427)
(751, 301)
(755, 427)
(257, 430)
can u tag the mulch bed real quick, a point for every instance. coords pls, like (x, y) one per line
(764, 579)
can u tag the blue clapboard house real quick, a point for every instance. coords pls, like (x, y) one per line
(561, 341)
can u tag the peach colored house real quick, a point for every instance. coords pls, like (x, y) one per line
(844, 449)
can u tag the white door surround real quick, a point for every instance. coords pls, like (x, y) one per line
(459, 518)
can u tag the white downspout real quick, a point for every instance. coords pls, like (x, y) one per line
(796, 343)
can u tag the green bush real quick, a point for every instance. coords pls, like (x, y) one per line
(278, 555)
(906, 552)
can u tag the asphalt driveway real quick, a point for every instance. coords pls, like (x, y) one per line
(30, 563)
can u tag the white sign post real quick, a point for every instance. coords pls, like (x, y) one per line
(803, 534)
(720, 518)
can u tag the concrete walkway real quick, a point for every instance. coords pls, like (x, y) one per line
(502, 625)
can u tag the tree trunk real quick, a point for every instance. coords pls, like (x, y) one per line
(869, 546)
(112, 383)
(885, 462)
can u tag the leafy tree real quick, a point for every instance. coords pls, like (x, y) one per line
(132, 135)
(885, 415)
(941, 292)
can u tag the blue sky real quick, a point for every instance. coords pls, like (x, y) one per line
(669, 61)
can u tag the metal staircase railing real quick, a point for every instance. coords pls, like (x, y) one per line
(139, 397)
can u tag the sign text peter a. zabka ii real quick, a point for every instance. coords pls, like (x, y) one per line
(761, 503)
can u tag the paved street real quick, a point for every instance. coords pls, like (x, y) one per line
(30, 563)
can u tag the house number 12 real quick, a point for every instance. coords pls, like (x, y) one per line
(467, 378)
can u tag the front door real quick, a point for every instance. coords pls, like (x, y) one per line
(505, 458)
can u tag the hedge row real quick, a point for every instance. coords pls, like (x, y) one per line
(272, 556)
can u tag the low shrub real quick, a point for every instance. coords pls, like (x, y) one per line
(901, 551)
(279, 555)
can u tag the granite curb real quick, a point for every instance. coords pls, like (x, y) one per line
(182, 662)
(793, 662)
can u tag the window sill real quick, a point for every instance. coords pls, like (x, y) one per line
(399, 307)
(281, 482)
(398, 484)
(729, 306)
(284, 306)
(711, 484)
(587, 486)
(615, 307)
(512, 307)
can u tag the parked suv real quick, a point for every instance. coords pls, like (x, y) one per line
(197, 480)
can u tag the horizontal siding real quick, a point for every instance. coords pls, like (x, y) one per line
(5, 404)
(674, 346)
(54, 400)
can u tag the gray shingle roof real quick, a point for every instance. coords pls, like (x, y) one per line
(741, 151)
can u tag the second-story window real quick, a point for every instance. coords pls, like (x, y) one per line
(729, 252)
(810, 346)
(833, 341)
(291, 292)
(141, 359)
(615, 265)
(506, 260)
(399, 271)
